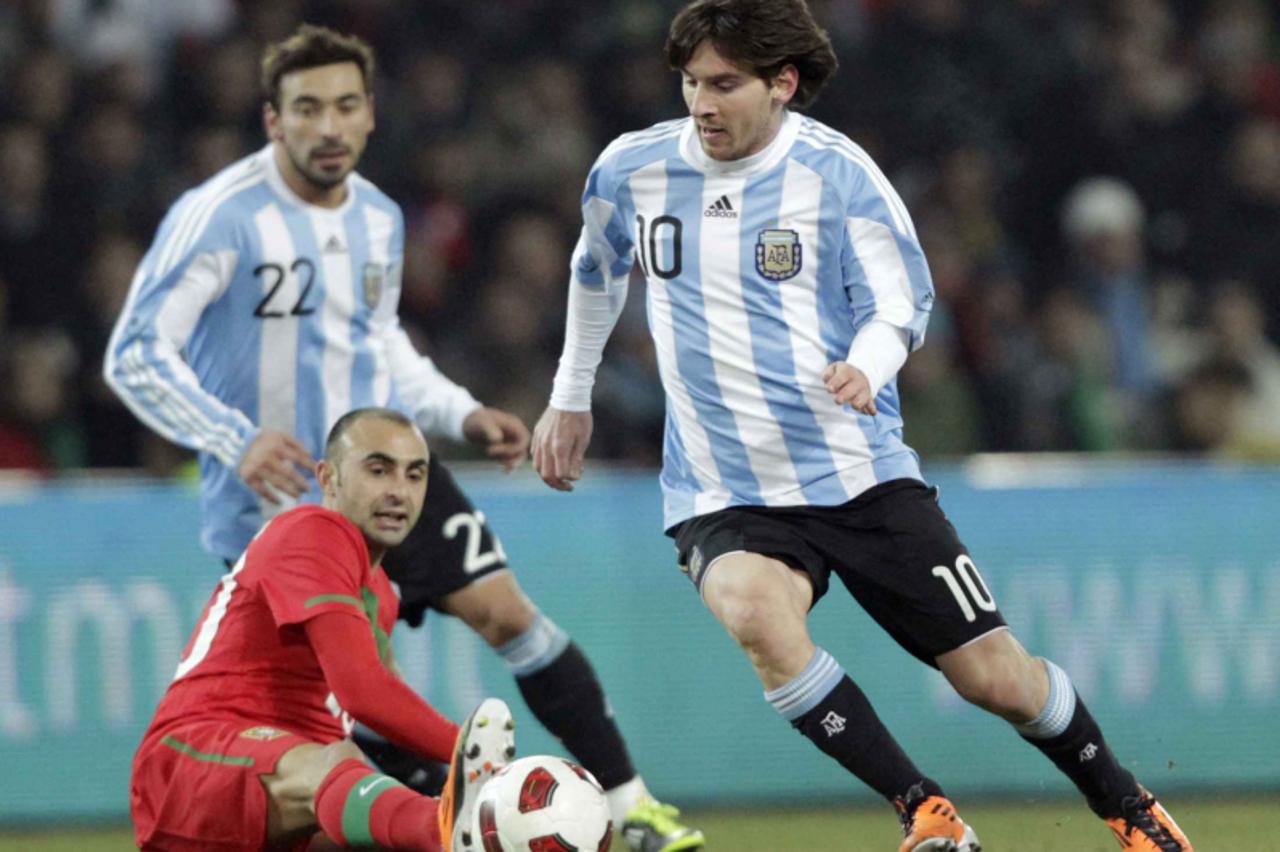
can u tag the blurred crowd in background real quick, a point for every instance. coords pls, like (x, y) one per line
(1096, 184)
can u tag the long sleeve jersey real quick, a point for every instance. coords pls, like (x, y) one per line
(254, 310)
(759, 273)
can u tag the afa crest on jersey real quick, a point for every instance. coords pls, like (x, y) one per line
(374, 273)
(778, 253)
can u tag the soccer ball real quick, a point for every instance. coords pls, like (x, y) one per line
(543, 804)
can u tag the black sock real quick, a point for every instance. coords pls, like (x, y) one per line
(566, 697)
(846, 727)
(1084, 757)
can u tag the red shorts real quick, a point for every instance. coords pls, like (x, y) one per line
(196, 787)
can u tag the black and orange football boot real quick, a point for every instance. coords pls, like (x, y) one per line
(1145, 826)
(934, 826)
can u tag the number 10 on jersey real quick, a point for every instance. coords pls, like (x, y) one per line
(648, 236)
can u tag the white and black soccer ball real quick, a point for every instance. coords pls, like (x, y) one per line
(543, 804)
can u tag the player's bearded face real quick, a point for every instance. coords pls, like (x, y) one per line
(324, 122)
(736, 111)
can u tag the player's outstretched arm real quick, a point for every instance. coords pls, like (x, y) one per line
(502, 435)
(273, 466)
(437, 404)
(559, 446)
(344, 646)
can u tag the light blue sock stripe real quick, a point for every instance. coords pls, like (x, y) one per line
(792, 700)
(1058, 710)
(820, 662)
(536, 648)
(819, 667)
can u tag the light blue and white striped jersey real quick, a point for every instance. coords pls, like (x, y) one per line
(759, 272)
(255, 310)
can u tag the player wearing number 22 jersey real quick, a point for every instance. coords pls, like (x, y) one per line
(254, 310)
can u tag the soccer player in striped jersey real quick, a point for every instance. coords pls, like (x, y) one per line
(786, 287)
(266, 309)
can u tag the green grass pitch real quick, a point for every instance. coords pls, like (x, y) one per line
(1245, 824)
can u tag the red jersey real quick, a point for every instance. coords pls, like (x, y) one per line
(249, 659)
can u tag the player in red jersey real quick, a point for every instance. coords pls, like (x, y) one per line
(248, 746)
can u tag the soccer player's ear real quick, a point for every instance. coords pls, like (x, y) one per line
(783, 87)
(271, 122)
(327, 476)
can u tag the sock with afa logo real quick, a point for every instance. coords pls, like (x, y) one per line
(825, 705)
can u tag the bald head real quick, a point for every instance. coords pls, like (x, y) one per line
(338, 440)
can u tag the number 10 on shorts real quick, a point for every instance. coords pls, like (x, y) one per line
(967, 585)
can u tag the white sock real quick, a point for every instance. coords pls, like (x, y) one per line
(624, 797)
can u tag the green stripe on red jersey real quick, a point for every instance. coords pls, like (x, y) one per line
(179, 746)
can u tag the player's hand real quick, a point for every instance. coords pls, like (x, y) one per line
(559, 445)
(847, 383)
(502, 435)
(273, 466)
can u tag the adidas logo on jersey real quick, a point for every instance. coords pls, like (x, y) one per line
(334, 245)
(721, 209)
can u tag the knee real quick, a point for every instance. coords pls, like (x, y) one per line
(326, 759)
(750, 616)
(336, 752)
(298, 777)
(763, 605)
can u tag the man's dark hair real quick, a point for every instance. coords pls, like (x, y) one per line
(333, 443)
(310, 47)
(763, 35)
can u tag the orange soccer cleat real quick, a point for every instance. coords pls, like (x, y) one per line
(934, 826)
(1145, 826)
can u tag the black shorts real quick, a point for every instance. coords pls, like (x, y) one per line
(449, 548)
(892, 546)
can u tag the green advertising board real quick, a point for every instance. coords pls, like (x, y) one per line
(1156, 587)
